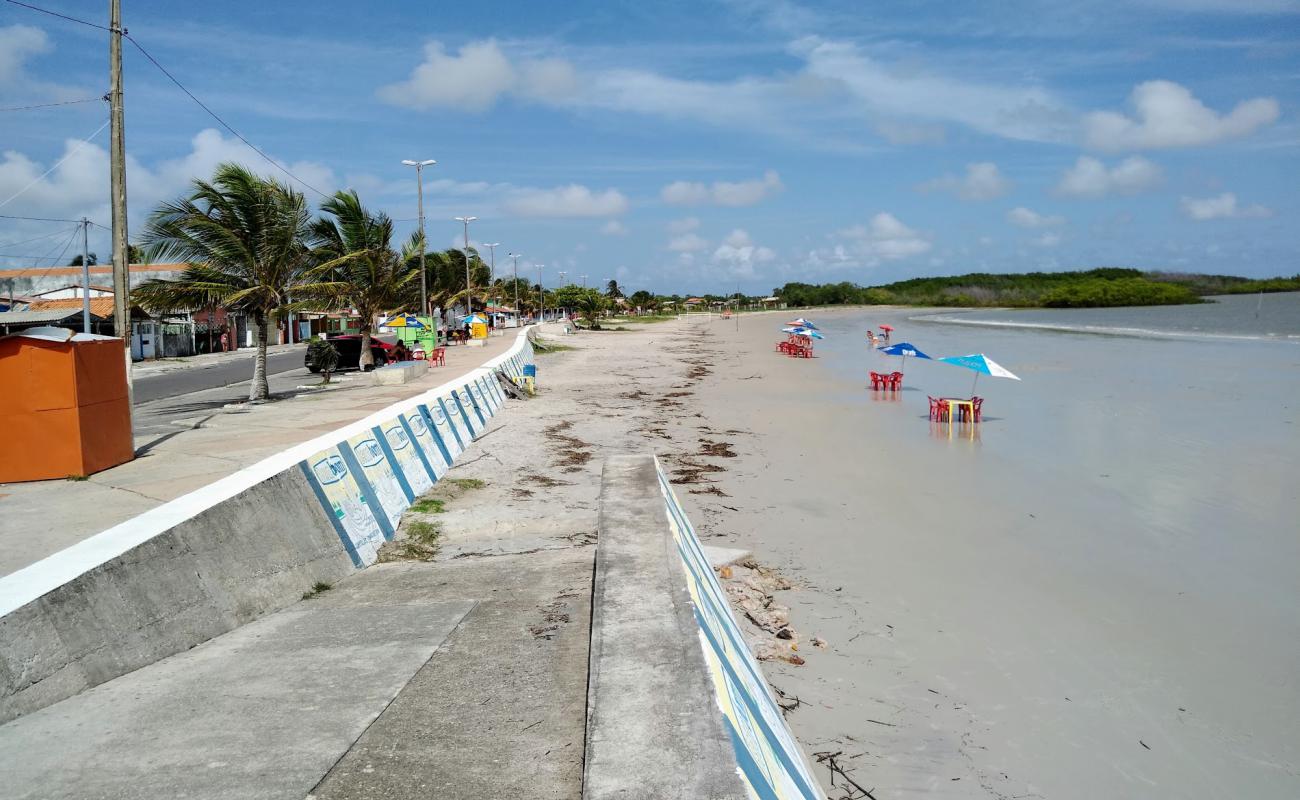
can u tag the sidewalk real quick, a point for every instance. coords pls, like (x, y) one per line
(39, 519)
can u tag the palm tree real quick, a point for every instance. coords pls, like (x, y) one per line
(590, 304)
(241, 237)
(357, 266)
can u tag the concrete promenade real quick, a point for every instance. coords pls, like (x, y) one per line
(39, 519)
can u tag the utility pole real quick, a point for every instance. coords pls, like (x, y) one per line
(419, 184)
(117, 154)
(85, 275)
(584, 281)
(515, 256)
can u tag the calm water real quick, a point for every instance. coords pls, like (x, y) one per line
(1158, 467)
(1269, 316)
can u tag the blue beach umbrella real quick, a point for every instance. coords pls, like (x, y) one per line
(809, 332)
(982, 365)
(904, 349)
(802, 323)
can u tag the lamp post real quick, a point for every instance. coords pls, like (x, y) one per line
(492, 265)
(419, 187)
(515, 256)
(469, 300)
(541, 296)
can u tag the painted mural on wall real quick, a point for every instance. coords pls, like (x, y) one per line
(338, 491)
(770, 760)
(366, 482)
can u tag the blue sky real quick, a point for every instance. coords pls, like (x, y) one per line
(708, 145)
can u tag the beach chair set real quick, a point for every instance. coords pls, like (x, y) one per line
(892, 381)
(955, 409)
(796, 347)
(436, 357)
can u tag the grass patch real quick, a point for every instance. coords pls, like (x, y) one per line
(467, 483)
(317, 589)
(78, 477)
(429, 505)
(424, 533)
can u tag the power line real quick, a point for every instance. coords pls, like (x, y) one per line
(214, 115)
(61, 16)
(57, 164)
(33, 239)
(42, 219)
(52, 105)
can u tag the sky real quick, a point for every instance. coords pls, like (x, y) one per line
(696, 146)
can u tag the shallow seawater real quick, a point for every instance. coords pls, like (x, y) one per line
(1149, 478)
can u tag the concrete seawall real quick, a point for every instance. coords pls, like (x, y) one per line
(677, 706)
(235, 550)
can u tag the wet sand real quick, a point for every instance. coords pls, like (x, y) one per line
(1050, 605)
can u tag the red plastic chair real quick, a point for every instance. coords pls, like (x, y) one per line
(977, 402)
(896, 381)
(875, 380)
(439, 357)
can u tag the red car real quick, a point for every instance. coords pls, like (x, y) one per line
(349, 347)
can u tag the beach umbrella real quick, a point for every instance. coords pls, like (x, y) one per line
(404, 321)
(886, 327)
(809, 332)
(982, 365)
(904, 349)
(802, 323)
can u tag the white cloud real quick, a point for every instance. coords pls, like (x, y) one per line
(687, 242)
(883, 238)
(1223, 206)
(838, 84)
(722, 193)
(471, 80)
(614, 228)
(739, 255)
(17, 44)
(1028, 113)
(982, 181)
(1089, 177)
(1166, 114)
(573, 200)
(683, 225)
(1026, 218)
(1048, 239)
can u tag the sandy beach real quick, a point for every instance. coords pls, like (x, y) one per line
(1048, 605)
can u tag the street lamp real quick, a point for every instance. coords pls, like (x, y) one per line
(492, 267)
(419, 183)
(541, 296)
(469, 301)
(515, 256)
(584, 281)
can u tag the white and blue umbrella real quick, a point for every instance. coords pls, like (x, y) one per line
(904, 349)
(802, 323)
(809, 332)
(982, 365)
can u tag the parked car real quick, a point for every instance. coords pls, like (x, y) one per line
(349, 347)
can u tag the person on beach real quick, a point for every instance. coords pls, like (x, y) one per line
(400, 353)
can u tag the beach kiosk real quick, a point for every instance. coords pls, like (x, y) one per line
(65, 407)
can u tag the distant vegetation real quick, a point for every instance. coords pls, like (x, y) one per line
(1108, 286)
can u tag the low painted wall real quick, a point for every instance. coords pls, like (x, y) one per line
(677, 706)
(241, 547)
(770, 760)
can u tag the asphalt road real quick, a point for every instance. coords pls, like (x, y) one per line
(186, 381)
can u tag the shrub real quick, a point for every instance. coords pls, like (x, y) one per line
(322, 357)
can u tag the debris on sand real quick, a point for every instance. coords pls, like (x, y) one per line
(751, 588)
(716, 449)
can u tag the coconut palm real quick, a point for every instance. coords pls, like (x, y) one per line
(356, 265)
(241, 238)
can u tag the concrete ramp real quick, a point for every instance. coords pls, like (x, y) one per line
(262, 712)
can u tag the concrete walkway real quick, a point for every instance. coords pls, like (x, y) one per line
(404, 681)
(39, 519)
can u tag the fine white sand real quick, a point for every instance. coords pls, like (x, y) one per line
(1009, 612)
